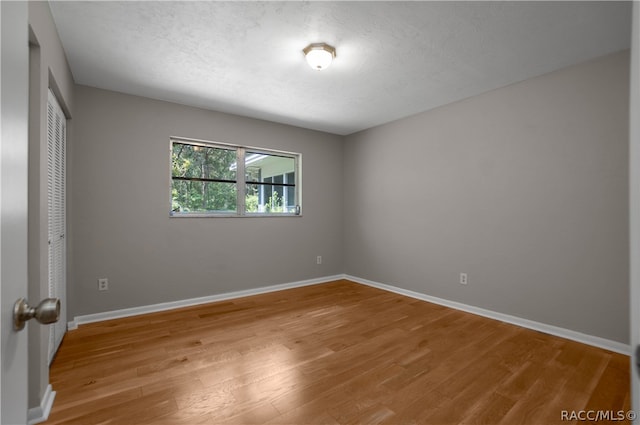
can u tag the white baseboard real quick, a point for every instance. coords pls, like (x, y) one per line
(607, 344)
(135, 311)
(40, 414)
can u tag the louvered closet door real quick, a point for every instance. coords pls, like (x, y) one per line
(56, 191)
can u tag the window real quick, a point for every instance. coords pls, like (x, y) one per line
(206, 180)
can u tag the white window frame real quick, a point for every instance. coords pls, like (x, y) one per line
(240, 179)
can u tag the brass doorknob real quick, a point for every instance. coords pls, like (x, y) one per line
(48, 311)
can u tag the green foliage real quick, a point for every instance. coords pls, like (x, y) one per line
(251, 203)
(206, 163)
(274, 204)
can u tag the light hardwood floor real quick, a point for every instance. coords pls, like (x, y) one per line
(335, 353)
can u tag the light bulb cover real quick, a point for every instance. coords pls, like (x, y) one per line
(319, 55)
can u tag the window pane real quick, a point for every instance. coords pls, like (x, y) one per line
(276, 194)
(204, 162)
(197, 197)
(189, 161)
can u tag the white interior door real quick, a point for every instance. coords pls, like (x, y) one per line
(56, 194)
(14, 71)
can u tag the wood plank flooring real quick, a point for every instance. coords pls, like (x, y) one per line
(335, 353)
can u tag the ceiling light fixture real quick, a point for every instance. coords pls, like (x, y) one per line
(319, 55)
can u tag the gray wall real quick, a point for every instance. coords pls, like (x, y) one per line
(47, 68)
(524, 188)
(121, 198)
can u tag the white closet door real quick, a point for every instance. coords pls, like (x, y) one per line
(56, 194)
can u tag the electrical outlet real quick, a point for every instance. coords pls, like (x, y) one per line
(103, 284)
(319, 259)
(463, 278)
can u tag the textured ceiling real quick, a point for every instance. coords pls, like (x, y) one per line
(394, 59)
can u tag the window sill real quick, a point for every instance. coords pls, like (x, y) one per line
(223, 215)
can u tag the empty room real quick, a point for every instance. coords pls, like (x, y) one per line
(319, 212)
